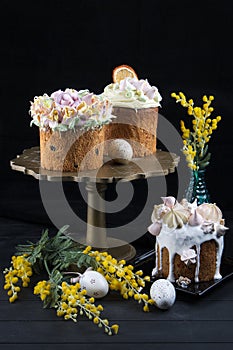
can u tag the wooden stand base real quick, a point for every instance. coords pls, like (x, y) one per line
(96, 235)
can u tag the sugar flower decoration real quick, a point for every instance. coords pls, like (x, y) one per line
(188, 256)
(137, 93)
(140, 87)
(64, 110)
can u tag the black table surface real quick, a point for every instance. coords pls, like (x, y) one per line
(193, 322)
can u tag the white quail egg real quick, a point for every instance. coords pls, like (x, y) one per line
(163, 293)
(120, 151)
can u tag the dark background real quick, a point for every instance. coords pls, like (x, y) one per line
(49, 45)
(53, 44)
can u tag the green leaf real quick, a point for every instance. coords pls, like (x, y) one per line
(61, 127)
(63, 229)
(203, 165)
(206, 158)
(56, 254)
(205, 150)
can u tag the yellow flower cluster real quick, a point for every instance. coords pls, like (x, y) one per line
(195, 140)
(74, 299)
(20, 269)
(121, 277)
(43, 289)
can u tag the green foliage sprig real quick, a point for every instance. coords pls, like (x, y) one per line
(54, 256)
(59, 252)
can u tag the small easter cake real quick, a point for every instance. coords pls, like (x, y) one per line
(135, 106)
(189, 240)
(71, 129)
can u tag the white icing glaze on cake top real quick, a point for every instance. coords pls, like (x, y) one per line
(180, 240)
(184, 226)
(132, 93)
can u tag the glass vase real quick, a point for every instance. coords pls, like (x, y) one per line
(197, 188)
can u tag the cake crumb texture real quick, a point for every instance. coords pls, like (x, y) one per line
(71, 151)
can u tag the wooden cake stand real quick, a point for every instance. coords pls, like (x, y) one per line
(160, 164)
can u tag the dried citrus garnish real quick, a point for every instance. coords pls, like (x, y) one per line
(123, 71)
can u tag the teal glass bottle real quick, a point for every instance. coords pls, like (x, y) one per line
(197, 188)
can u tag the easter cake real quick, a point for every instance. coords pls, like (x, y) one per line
(135, 106)
(189, 240)
(71, 129)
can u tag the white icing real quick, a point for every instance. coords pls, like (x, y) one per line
(218, 262)
(132, 93)
(198, 247)
(157, 265)
(185, 233)
(186, 237)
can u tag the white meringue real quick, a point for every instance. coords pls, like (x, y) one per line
(195, 219)
(155, 228)
(169, 201)
(210, 212)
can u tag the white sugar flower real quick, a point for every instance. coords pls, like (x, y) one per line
(188, 256)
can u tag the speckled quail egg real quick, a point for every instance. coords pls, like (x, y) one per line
(120, 151)
(94, 283)
(163, 293)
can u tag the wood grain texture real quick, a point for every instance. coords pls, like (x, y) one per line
(123, 346)
(193, 322)
(62, 332)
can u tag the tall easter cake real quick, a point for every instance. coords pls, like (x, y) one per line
(189, 240)
(71, 129)
(135, 106)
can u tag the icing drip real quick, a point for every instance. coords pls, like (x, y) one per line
(156, 269)
(186, 237)
(198, 248)
(160, 260)
(170, 276)
(183, 228)
(217, 275)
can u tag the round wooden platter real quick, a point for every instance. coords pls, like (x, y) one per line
(160, 164)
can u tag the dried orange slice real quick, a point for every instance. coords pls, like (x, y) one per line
(123, 71)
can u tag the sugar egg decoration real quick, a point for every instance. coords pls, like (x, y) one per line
(163, 293)
(120, 151)
(94, 283)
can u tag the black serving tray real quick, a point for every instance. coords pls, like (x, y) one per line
(146, 261)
